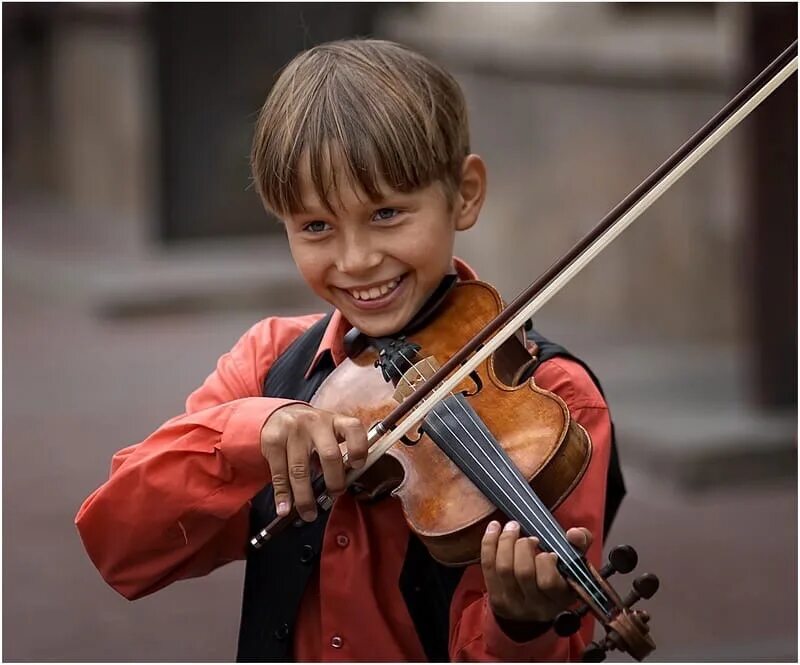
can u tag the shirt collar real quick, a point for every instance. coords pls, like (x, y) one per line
(333, 339)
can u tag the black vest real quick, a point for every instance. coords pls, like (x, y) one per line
(277, 574)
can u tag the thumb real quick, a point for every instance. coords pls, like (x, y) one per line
(580, 537)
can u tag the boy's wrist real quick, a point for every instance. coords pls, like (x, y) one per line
(522, 631)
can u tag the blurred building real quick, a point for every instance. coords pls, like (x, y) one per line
(139, 118)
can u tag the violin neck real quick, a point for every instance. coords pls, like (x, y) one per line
(460, 433)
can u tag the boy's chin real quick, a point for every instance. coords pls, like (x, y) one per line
(376, 325)
(379, 323)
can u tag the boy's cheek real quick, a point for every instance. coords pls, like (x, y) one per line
(308, 266)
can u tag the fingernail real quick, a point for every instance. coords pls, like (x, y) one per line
(511, 526)
(283, 508)
(493, 527)
(309, 515)
(357, 463)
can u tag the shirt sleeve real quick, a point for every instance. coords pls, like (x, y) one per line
(475, 635)
(176, 505)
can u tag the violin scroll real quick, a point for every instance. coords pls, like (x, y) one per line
(626, 628)
(621, 559)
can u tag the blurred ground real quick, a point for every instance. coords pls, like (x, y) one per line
(79, 387)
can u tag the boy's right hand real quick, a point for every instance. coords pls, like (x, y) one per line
(288, 439)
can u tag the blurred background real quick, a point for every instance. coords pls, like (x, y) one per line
(135, 252)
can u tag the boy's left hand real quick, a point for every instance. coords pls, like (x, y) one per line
(523, 582)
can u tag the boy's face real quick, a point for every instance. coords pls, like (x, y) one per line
(379, 262)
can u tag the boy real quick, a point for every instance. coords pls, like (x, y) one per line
(362, 151)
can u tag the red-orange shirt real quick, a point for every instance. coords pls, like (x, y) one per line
(176, 506)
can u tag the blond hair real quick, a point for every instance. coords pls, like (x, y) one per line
(385, 113)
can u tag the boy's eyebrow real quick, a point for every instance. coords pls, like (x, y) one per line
(317, 207)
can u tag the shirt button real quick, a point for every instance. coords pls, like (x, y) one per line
(282, 632)
(307, 554)
(342, 540)
(337, 642)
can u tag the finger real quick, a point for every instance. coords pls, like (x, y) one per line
(580, 537)
(504, 561)
(525, 565)
(488, 557)
(298, 453)
(550, 582)
(275, 454)
(355, 439)
(330, 458)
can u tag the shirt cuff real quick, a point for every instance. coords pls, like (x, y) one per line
(241, 439)
(546, 646)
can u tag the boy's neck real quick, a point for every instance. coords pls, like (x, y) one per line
(431, 305)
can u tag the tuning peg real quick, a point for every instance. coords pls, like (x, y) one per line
(644, 586)
(622, 559)
(567, 623)
(594, 653)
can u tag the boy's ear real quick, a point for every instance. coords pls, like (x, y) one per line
(471, 192)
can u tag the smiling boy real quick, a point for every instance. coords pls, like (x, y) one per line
(362, 150)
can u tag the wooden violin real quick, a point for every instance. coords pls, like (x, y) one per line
(497, 447)
(476, 440)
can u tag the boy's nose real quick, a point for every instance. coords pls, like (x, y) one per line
(358, 257)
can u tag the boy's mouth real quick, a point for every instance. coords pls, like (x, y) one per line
(377, 296)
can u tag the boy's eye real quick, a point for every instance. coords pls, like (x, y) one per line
(316, 227)
(384, 214)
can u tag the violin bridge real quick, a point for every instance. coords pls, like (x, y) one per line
(419, 372)
(416, 374)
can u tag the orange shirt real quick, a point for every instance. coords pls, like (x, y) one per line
(176, 505)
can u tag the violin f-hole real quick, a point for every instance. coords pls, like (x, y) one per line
(410, 442)
(478, 384)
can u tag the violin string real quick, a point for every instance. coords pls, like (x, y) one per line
(576, 571)
(522, 507)
(578, 574)
(557, 546)
(553, 528)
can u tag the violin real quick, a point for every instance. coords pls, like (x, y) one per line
(496, 447)
(460, 434)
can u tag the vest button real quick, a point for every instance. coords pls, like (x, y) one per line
(342, 540)
(281, 632)
(307, 555)
(337, 642)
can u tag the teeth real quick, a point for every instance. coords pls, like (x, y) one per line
(374, 292)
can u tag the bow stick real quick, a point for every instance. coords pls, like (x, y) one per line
(439, 385)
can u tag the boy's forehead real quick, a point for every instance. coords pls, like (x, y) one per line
(338, 188)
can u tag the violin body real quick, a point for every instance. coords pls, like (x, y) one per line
(533, 426)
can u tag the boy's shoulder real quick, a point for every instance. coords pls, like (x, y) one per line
(278, 332)
(570, 381)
